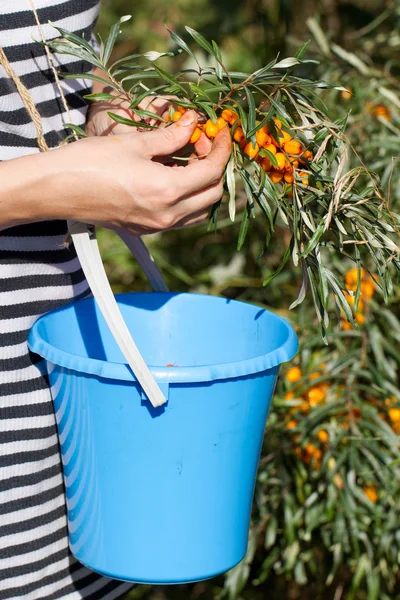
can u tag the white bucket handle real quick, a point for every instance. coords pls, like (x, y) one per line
(87, 249)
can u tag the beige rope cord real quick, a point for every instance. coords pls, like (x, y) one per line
(24, 93)
(26, 99)
(51, 61)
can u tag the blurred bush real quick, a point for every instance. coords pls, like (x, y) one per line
(326, 512)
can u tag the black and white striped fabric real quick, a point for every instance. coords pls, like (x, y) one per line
(37, 274)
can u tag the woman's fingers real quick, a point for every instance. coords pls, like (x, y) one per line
(203, 145)
(168, 140)
(201, 174)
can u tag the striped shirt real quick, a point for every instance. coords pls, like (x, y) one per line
(37, 274)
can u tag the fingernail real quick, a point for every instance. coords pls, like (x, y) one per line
(187, 118)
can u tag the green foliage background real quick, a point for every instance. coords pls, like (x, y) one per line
(315, 534)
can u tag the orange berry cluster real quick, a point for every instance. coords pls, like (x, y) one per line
(314, 395)
(391, 414)
(288, 152)
(367, 287)
(379, 110)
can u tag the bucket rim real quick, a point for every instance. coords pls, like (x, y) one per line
(164, 374)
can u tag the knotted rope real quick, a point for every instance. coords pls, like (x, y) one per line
(25, 94)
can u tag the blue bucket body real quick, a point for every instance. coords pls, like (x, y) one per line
(162, 495)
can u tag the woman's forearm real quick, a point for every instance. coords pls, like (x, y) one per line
(31, 189)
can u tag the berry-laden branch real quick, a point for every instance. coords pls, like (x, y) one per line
(289, 156)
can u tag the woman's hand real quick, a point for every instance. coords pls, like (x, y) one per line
(99, 123)
(116, 181)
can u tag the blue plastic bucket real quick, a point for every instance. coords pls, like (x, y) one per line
(162, 495)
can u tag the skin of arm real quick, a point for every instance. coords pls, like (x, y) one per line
(115, 181)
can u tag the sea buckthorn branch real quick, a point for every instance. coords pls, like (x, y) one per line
(289, 156)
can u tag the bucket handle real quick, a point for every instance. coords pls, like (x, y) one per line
(87, 249)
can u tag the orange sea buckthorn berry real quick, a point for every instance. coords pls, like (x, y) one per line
(275, 176)
(182, 109)
(371, 494)
(195, 135)
(221, 123)
(294, 374)
(394, 414)
(314, 375)
(317, 454)
(229, 116)
(281, 160)
(323, 435)
(315, 395)
(283, 138)
(211, 129)
(382, 111)
(288, 177)
(168, 118)
(238, 136)
(251, 150)
(368, 288)
(295, 164)
(262, 137)
(351, 301)
(307, 155)
(266, 164)
(360, 318)
(351, 276)
(304, 178)
(292, 147)
(396, 427)
(292, 424)
(176, 116)
(338, 481)
(278, 123)
(346, 94)
(289, 396)
(346, 326)
(271, 148)
(310, 448)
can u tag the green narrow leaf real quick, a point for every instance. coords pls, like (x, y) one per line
(112, 38)
(231, 184)
(312, 243)
(199, 91)
(259, 126)
(149, 114)
(59, 47)
(218, 67)
(179, 42)
(286, 63)
(214, 214)
(243, 118)
(146, 94)
(91, 78)
(284, 260)
(99, 97)
(130, 122)
(210, 112)
(244, 227)
(75, 39)
(167, 77)
(200, 40)
(302, 50)
(124, 61)
(76, 129)
(251, 116)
